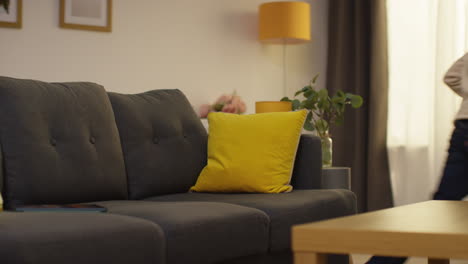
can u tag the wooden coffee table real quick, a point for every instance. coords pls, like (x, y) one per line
(434, 229)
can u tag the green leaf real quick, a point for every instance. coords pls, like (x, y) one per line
(309, 126)
(285, 99)
(326, 105)
(304, 89)
(295, 104)
(337, 99)
(321, 126)
(309, 117)
(308, 104)
(323, 93)
(340, 93)
(342, 108)
(320, 104)
(315, 78)
(310, 93)
(356, 101)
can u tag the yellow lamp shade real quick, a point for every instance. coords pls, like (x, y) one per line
(272, 106)
(284, 22)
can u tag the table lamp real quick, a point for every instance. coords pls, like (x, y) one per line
(283, 23)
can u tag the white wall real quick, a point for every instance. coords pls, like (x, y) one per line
(203, 47)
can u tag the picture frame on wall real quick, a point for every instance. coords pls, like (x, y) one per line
(93, 15)
(11, 12)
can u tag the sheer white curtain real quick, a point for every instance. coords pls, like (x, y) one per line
(425, 38)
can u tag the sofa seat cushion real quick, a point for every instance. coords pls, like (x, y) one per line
(77, 238)
(284, 210)
(202, 232)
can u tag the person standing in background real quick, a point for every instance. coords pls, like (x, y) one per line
(454, 182)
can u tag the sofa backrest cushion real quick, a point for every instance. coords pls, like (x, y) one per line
(163, 141)
(60, 143)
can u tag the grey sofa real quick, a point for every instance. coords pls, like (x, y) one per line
(137, 155)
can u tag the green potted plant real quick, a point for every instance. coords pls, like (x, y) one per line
(325, 110)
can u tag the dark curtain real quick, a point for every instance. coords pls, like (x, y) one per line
(357, 63)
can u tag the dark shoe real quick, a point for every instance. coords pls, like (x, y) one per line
(386, 260)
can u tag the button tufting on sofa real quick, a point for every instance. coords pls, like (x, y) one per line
(165, 115)
(65, 112)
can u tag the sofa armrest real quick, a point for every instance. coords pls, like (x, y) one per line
(307, 173)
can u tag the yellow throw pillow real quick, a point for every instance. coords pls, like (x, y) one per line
(251, 153)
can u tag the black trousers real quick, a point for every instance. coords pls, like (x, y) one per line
(454, 182)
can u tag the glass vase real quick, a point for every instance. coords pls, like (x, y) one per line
(327, 150)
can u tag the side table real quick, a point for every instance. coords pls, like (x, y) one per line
(336, 178)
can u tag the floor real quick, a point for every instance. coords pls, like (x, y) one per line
(361, 259)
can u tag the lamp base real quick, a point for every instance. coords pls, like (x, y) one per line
(272, 106)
